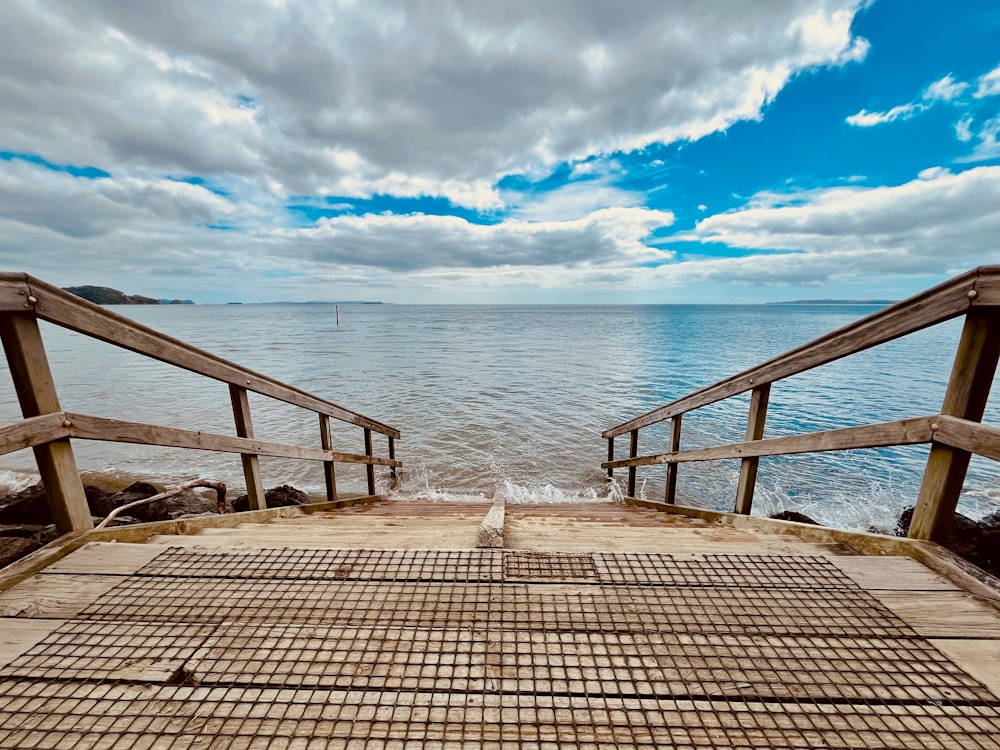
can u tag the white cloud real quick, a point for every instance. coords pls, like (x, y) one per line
(989, 84)
(988, 146)
(963, 129)
(866, 119)
(945, 89)
(309, 97)
(929, 225)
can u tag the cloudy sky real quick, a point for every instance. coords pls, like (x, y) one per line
(467, 151)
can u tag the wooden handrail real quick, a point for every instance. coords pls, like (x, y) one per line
(954, 434)
(980, 286)
(47, 429)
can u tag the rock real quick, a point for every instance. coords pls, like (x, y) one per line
(978, 542)
(276, 497)
(14, 548)
(794, 515)
(27, 506)
(98, 501)
(155, 511)
(190, 503)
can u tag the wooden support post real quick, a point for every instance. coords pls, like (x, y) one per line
(968, 389)
(329, 470)
(251, 462)
(633, 452)
(36, 393)
(392, 455)
(611, 456)
(755, 431)
(670, 495)
(370, 467)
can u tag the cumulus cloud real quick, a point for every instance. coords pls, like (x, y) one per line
(352, 99)
(930, 225)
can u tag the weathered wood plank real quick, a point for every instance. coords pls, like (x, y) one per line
(490, 532)
(972, 437)
(105, 558)
(329, 468)
(18, 635)
(251, 462)
(968, 390)
(943, 302)
(943, 614)
(980, 658)
(116, 430)
(67, 310)
(902, 432)
(987, 287)
(369, 469)
(633, 451)
(36, 394)
(892, 574)
(54, 596)
(755, 431)
(670, 490)
(31, 432)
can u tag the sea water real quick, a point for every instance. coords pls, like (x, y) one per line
(511, 400)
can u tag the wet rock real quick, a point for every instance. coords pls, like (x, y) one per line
(27, 506)
(794, 515)
(976, 541)
(154, 511)
(277, 497)
(98, 501)
(14, 548)
(190, 503)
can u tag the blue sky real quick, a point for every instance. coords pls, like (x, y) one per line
(462, 152)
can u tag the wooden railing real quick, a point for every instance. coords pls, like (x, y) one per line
(954, 434)
(47, 429)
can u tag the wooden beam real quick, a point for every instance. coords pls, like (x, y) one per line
(69, 311)
(987, 287)
(251, 462)
(370, 469)
(611, 456)
(119, 431)
(14, 293)
(31, 432)
(902, 432)
(755, 431)
(36, 393)
(392, 454)
(973, 437)
(943, 302)
(670, 494)
(633, 451)
(329, 470)
(968, 390)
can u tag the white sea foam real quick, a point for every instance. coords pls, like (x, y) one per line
(15, 481)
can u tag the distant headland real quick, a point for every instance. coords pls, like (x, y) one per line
(104, 295)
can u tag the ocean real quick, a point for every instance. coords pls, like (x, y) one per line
(511, 400)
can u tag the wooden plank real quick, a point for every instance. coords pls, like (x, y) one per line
(980, 658)
(490, 533)
(940, 303)
(329, 468)
(14, 293)
(670, 491)
(251, 462)
(55, 596)
(105, 558)
(972, 437)
(892, 574)
(902, 432)
(968, 390)
(116, 430)
(69, 311)
(611, 456)
(18, 635)
(943, 614)
(31, 432)
(370, 468)
(987, 287)
(755, 431)
(633, 451)
(36, 394)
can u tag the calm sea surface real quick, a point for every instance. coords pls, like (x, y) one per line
(512, 400)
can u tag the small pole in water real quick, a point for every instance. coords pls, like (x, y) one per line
(336, 310)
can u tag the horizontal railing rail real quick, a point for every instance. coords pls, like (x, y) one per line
(48, 429)
(954, 435)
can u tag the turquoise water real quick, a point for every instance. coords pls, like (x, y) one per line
(512, 400)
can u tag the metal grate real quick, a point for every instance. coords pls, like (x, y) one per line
(374, 655)
(536, 566)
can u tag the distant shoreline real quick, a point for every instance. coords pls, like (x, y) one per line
(836, 302)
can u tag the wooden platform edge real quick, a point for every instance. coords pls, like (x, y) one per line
(57, 549)
(942, 561)
(490, 533)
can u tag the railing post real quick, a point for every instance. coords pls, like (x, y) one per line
(329, 470)
(632, 453)
(392, 455)
(36, 393)
(670, 495)
(968, 390)
(755, 431)
(369, 467)
(611, 456)
(251, 462)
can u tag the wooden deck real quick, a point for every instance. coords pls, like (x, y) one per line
(596, 626)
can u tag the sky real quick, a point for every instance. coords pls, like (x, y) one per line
(446, 151)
